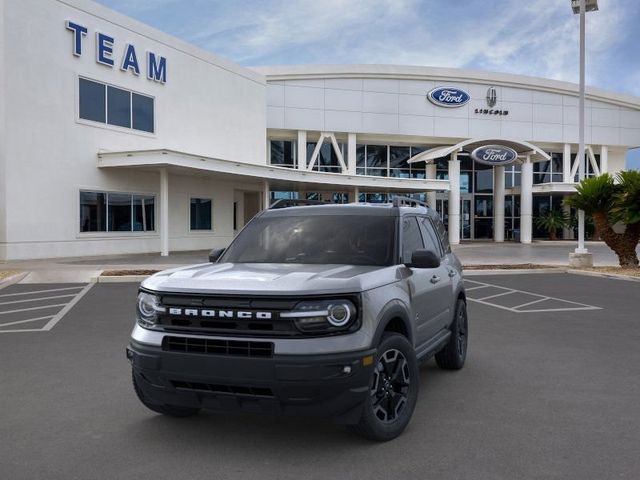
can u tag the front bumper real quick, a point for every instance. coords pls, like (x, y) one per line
(333, 385)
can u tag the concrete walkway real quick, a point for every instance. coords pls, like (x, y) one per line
(83, 269)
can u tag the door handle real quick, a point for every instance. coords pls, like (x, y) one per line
(435, 279)
(452, 273)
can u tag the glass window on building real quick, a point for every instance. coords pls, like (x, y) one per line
(119, 213)
(118, 107)
(144, 213)
(327, 160)
(201, 213)
(398, 166)
(92, 97)
(283, 153)
(93, 212)
(376, 162)
(142, 113)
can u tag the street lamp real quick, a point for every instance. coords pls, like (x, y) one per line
(581, 7)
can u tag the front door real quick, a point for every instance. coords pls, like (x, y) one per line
(466, 216)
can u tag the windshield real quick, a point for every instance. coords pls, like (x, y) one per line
(319, 239)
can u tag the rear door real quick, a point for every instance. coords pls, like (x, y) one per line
(425, 284)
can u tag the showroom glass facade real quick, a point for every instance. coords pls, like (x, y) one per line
(476, 183)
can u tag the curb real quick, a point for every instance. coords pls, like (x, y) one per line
(613, 276)
(518, 271)
(120, 279)
(5, 282)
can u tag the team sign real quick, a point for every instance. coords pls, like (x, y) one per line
(156, 65)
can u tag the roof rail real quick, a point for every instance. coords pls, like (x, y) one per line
(399, 201)
(295, 202)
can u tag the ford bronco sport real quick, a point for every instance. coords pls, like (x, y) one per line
(312, 310)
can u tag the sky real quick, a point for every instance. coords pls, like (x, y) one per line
(531, 37)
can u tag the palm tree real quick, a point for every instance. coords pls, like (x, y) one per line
(551, 221)
(609, 202)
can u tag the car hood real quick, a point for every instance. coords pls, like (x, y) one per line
(271, 278)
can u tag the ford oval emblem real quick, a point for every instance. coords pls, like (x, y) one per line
(448, 97)
(494, 155)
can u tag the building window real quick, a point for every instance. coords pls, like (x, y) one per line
(283, 153)
(327, 160)
(116, 212)
(115, 106)
(201, 214)
(549, 170)
(389, 161)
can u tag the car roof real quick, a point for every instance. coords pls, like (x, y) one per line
(361, 209)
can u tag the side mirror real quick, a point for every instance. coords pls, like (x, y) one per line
(215, 254)
(424, 259)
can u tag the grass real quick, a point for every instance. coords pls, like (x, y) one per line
(7, 273)
(629, 272)
(122, 273)
(517, 266)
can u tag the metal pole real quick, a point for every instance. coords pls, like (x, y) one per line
(581, 158)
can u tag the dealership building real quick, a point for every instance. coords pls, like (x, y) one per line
(118, 138)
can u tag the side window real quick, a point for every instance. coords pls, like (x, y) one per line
(411, 238)
(431, 241)
(441, 230)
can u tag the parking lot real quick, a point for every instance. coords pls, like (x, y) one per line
(550, 390)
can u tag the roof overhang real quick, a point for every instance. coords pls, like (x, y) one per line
(522, 148)
(279, 177)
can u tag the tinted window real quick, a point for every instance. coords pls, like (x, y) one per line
(118, 107)
(143, 213)
(318, 239)
(93, 212)
(200, 214)
(441, 230)
(119, 212)
(430, 237)
(92, 101)
(411, 238)
(142, 113)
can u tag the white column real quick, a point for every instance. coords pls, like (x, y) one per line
(526, 201)
(164, 212)
(604, 159)
(454, 199)
(430, 173)
(567, 231)
(302, 150)
(351, 154)
(356, 194)
(566, 164)
(498, 204)
(266, 195)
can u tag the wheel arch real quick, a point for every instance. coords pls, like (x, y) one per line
(394, 318)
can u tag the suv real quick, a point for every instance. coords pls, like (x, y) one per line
(312, 310)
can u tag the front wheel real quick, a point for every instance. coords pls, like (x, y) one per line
(454, 354)
(393, 390)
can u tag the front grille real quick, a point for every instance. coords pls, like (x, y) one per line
(230, 389)
(217, 347)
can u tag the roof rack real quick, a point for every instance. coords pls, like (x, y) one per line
(295, 202)
(407, 202)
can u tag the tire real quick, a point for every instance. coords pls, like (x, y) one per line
(454, 354)
(393, 390)
(169, 410)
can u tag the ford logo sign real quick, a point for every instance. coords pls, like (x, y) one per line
(448, 97)
(494, 155)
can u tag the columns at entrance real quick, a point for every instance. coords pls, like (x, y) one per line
(266, 195)
(164, 212)
(302, 150)
(566, 164)
(356, 195)
(431, 173)
(604, 159)
(498, 204)
(454, 199)
(351, 154)
(526, 201)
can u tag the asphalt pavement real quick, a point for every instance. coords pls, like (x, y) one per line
(545, 394)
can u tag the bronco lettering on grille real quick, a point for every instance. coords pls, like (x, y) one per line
(213, 313)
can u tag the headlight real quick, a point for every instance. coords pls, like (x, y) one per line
(323, 316)
(148, 309)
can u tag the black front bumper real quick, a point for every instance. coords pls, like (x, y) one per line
(332, 385)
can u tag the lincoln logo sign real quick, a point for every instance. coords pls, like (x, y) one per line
(448, 97)
(494, 155)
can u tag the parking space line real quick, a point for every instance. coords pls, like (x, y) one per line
(39, 299)
(25, 321)
(41, 291)
(33, 308)
(520, 308)
(51, 323)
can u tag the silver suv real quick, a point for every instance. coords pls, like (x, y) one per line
(312, 310)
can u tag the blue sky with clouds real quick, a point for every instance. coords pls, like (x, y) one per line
(532, 37)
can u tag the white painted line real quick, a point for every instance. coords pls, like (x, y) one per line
(531, 303)
(42, 291)
(24, 321)
(498, 295)
(569, 309)
(51, 323)
(32, 308)
(476, 288)
(38, 299)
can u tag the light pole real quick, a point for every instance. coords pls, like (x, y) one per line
(581, 7)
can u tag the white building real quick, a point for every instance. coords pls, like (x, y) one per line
(117, 138)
